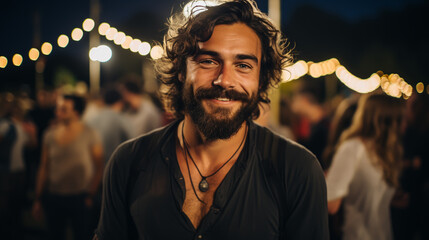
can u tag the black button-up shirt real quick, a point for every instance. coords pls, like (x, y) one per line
(244, 206)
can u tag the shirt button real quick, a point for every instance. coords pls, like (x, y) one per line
(166, 158)
(200, 236)
(216, 210)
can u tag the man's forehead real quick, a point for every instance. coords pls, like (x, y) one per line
(235, 39)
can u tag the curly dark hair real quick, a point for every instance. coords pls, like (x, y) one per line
(184, 33)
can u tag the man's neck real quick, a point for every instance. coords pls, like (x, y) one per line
(210, 153)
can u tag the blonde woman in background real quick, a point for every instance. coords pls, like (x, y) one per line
(365, 168)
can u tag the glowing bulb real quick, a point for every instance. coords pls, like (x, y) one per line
(119, 38)
(33, 54)
(63, 40)
(46, 48)
(357, 84)
(111, 33)
(295, 71)
(127, 42)
(101, 53)
(420, 87)
(315, 70)
(3, 61)
(144, 48)
(134, 46)
(102, 29)
(156, 52)
(17, 60)
(77, 34)
(88, 25)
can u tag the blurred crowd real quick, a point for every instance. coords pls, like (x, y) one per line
(54, 146)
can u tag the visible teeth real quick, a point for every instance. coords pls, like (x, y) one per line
(223, 99)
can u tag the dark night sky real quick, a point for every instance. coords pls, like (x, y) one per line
(57, 17)
(60, 17)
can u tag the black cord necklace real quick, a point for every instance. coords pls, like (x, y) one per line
(203, 186)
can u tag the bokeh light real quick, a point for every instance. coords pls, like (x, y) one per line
(101, 53)
(126, 44)
(420, 87)
(358, 84)
(17, 60)
(156, 52)
(63, 41)
(46, 48)
(33, 54)
(77, 34)
(144, 48)
(3, 61)
(102, 29)
(88, 25)
(295, 71)
(119, 38)
(134, 45)
(111, 33)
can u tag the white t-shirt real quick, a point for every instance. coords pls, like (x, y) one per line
(366, 196)
(146, 119)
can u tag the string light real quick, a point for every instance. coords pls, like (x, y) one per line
(17, 60)
(295, 71)
(324, 68)
(88, 25)
(392, 84)
(46, 48)
(119, 38)
(77, 34)
(134, 45)
(111, 33)
(144, 48)
(33, 54)
(3, 61)
(101, 53)
(420, 87)
(126, 44)
(357, 84)
(102, 29)
(63, 41)
(156, 52)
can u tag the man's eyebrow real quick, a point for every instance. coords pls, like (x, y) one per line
(247, 56)
(207, 52)
(238, 56)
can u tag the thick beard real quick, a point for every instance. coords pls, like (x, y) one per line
(211, 125)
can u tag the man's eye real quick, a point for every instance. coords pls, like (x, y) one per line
(244, 66)
(208, 63)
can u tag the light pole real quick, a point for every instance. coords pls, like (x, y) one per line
(94, 41)
(274, 12)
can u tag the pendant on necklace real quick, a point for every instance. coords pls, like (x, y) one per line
(204, 185)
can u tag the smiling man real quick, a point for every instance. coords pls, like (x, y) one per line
(213, 173)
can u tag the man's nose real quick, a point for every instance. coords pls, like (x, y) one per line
(225, 78)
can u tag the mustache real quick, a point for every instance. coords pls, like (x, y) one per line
(217, 92)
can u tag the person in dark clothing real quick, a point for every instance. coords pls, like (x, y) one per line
(213, 173)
